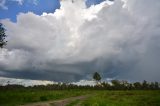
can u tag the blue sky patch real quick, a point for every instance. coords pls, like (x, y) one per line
(11, 8)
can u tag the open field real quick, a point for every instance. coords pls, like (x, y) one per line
(124, 98)
(19, 97)
(96, 98)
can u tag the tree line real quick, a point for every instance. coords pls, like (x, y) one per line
(113, 85)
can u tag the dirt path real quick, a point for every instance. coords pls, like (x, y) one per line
(62, 102)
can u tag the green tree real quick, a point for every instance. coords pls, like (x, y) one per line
(97, 77)
(156, 85)
(145, 85)
(137, 85)
(116, 84)
(151, 86)
(2, 36)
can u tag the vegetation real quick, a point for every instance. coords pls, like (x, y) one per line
(96, 76)
(74, 103)
(2, 36)
(121, 93)
(114, 93)
(96, 98)
(124, 98)
(22, 96)
(113, 85)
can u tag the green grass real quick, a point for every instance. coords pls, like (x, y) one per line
(73, 103)
(124, 98)
(17, 97)
(97, 98)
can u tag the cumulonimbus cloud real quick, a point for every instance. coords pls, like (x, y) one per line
(119, 40)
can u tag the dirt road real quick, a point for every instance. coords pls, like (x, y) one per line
(62, 102)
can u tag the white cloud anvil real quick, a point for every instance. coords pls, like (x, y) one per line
(119, 40)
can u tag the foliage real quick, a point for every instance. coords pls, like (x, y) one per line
(2, 36)
(113, 85)
(43, 98)
(96, 76)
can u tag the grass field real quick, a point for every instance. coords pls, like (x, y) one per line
(97, 98)
(124, 98)
(17, 97)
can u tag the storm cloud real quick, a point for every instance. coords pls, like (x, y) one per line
(120, 40)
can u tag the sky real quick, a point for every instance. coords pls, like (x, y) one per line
(11, 8)
(69, 41)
